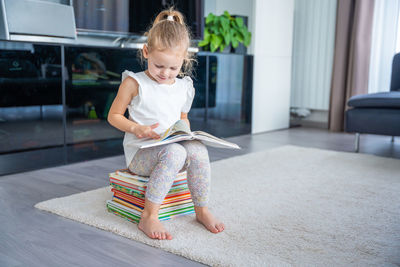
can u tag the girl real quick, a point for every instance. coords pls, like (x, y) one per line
(156, 99)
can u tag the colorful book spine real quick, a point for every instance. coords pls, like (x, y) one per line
(129, 196)
(134, 215)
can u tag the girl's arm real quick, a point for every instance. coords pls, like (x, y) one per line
(184, 116)
(126, 92)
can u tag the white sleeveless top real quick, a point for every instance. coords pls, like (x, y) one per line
(156, 103)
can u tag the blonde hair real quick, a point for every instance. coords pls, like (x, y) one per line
(169, 31)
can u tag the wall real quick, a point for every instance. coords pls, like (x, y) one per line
(271, 24)
(273, 29)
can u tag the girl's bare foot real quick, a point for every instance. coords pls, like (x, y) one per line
(149, 223)
(152, 227)
(204, 216)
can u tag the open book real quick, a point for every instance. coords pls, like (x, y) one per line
(180, 131)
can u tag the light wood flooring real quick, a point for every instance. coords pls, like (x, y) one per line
(29, 237)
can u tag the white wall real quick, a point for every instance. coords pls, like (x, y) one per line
(210, 6)
(273, 30)
(271, 25)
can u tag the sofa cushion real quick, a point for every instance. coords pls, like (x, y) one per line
(385, 121)
(377, 100)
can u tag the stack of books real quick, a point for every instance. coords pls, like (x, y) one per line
(129, 192)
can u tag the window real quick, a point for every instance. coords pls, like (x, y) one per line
(385, 43)
(398, 33)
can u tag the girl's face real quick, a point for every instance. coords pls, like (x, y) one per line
(164, 65)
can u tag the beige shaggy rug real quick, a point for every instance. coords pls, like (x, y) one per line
(285, 206)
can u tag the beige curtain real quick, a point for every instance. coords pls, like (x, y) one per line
(351, 57)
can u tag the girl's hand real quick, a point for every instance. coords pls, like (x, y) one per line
(144, 131)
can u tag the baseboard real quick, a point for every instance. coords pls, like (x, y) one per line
(316, 119)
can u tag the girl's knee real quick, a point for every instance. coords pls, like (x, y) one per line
(195, 149)
(173, 152)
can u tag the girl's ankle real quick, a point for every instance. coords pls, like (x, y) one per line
(200, 210)
(149, 215)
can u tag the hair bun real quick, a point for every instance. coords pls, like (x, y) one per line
(170, 15)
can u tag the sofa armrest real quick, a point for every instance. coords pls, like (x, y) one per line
(376, 100)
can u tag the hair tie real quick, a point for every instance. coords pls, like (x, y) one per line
(171, 18)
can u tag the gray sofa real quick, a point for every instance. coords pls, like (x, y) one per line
(377, 113)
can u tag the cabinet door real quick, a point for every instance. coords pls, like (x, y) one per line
(31, 123)
(223, 94)
(31, 97)
(94, 76)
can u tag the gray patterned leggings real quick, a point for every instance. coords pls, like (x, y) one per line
(163, 163)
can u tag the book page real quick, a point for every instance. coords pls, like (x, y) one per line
(180, 131)
(168, 140)
(179, 127)
(211, 140)
(206, 134)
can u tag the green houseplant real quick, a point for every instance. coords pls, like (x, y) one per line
(221, 31)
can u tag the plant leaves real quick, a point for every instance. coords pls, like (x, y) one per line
(213, 47)
(216, 40)
(210, 18)
(206, 34)
(240, 37)
(227, 38)
(223, 30)
(247, 39)
(239, 22)
(233, 24)
(226, 13)
(225, 24)
(214, 29)
(203, 43)
(233, 33)
(235, 43)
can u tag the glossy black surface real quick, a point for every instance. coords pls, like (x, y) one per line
(94, 75)
(223, 101)
(34, 132)
(31, 97)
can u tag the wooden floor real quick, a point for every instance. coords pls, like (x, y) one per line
(29, 237)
